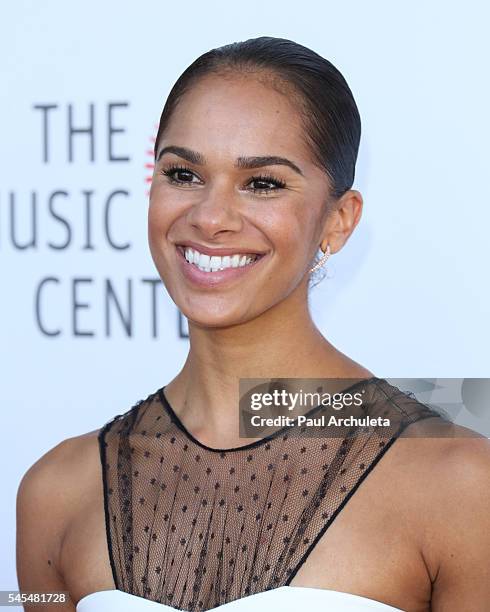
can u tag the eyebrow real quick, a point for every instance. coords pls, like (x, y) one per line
(194, 157)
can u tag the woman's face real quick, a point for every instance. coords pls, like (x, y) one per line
(234, 178)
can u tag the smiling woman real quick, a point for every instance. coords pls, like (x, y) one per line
(268, 172)
(283, 111)
(254, 166)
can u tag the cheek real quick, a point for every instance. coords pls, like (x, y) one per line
(156, 230)
(164, 209)
(290, 234)
(157, 219)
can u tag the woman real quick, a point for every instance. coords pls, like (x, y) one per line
(254, 164)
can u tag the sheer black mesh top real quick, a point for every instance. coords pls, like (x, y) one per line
(195, 527)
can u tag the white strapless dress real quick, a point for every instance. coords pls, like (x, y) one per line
(281, 599)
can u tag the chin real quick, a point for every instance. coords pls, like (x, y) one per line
(212, 322)
(214, 318)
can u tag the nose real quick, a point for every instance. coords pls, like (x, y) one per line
(216, 212)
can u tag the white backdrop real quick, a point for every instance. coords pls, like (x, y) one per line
(409, 295)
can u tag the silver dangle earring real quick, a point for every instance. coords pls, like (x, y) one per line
(323, 259)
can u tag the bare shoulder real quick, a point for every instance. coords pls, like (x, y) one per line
(460, 466)
(63, 463)
(453, 460)
(452, 489)
(48, 497)
(58, 479)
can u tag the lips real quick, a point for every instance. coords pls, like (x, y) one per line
(218, 251)
(224, 258)
(214, 278)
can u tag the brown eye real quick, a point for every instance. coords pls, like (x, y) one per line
(263, 185)
(183, 175)
(180, 175)
(266, 184)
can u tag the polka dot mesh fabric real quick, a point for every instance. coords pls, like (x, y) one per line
(194, 527)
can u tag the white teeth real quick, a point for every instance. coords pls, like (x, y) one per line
(211, 264)
(203, 260)
(214, 262)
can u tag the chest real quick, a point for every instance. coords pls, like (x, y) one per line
(369, 548)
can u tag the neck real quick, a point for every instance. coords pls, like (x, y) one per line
(282, 342)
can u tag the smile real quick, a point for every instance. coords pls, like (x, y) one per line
(213, 263)
(214, 270)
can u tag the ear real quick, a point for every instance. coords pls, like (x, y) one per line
(345, 214)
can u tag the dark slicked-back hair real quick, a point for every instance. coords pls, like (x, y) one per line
(330, 115)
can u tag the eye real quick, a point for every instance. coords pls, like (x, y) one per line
(180, 175)
(266, 184)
